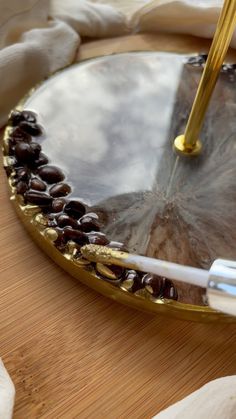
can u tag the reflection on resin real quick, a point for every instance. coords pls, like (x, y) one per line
(110, 125)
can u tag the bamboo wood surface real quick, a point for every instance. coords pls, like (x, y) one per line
(75, 354)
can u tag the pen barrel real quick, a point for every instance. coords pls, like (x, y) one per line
(221, 288)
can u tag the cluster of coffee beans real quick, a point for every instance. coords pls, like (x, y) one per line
(43, 184)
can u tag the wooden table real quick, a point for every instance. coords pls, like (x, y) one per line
(74, 354)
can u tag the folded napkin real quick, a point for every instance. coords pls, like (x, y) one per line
(38, 37)
(7, 393)
(215, 400)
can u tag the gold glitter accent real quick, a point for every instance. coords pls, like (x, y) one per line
(105, 271)
(81, 262)
(102, 254)
(51, 234)
(7, 132)
(127, 284)
(40, 220)
(28, 209)
(20, 200)
(71, 250)
(149, 289)
(8, 161)
(71, 247)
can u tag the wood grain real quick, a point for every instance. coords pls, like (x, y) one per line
(74, 354)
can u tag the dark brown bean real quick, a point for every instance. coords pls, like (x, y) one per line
(17, 116)
(92, 215)
(50, 174)
(58, 205)
(64, 220)
(117, 270)
(19, 135)
(52, 222)
(135, 281)
(75, 235)
(88, 224)
(31, 128)
(61, 189)
(38, 198)
(36, 148)
(23, 174)
(23, 152)
(11, 146)
(37, 184)
(168, 290)
(29, 116)
(60, 242)
(153, 284)
(21, 187)
(75, 209)
(42, 160)
(198, 60)
(98, 238)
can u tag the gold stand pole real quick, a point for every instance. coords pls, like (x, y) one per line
(189, 143)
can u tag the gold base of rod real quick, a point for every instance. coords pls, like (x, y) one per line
(181, 148)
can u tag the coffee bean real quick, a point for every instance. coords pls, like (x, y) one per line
(64, 220)
(23, 174)
(23, 152)
(61, 189)
(117, 270)
(168, 290)
(198, 60)
(132, 281)
(31, 128)
(50, 174)
(42, 160)
(27, 153)
(19, 135)
(75, 209)
(52, 222)
(21, 187)
(58, 205)
(11, 146)
(38, 198)
(15, 118)
(29, 116)
(36, 148)
(112, 273)
(153, 284)
(98, 238)
(75, 235)
(60, 242)
(92, 215)
(88, 224)
(37, 184)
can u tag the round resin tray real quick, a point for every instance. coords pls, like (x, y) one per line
(94, 164)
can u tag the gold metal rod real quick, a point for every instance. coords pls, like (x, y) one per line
(189, 143)
(108, 256)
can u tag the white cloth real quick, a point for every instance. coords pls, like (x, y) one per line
(215, 400)
(38, 37)
(7, 393)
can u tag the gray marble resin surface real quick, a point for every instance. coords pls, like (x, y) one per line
(110, 124)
